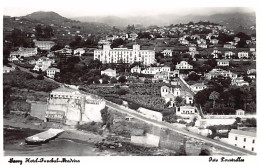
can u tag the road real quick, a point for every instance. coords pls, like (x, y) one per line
(136, 115)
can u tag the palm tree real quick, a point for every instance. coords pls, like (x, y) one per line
(214, 96)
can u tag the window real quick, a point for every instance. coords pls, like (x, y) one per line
(235, 138)
(244, 139)
(244, 147)
(235, 144)
(252, 148)
(253, 141)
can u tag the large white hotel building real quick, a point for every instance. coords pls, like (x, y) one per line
(124, 55)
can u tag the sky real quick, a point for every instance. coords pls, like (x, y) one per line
(126, 8)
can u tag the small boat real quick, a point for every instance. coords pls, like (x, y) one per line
(43, 137)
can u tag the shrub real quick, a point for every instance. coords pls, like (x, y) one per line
(114, 100)
(122, 91)
(40, 77)
(93, 127)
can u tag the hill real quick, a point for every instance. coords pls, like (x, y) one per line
(46, 17)
(237, 21)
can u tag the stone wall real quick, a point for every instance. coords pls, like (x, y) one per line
(38, 109)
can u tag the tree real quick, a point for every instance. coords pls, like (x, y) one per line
(178, 100)
(40, 77)
(122, 79)
(204, 152)
(193, 76)
(214, 96)
(113, 80)
(117, 42)
(122, 91)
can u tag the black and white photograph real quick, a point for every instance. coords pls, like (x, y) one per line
(172, 79)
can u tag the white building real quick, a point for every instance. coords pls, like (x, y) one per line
(214, 73)
(184, 65)
(21, 53)
(154, 70)
(51, 72)
(7, 69)
(223, 62)
(71, 106)
(202, 45)
(109, 72)
(136, 69)
(198, 87)
(242, 54)
(167, 53)
(242, 139)
(229, 54)
(229, 46)
(214, 41)
(239, 81)
(78, 51)
(124, 55)
(44, 45)
(43, 63)
(186, 111)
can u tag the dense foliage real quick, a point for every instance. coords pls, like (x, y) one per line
(26, 80)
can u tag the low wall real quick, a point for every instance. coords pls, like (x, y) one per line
(38, 110)
(150, 114)
(148, 139)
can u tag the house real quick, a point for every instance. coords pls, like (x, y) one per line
(133, 36)
(186, 111)
(51, 72)
(167, 53)
(222, 62)
(214, 73)
(236, 39)
(136, 69)
(243, 139)
(239, 81)
(161, 75)
(7, 69)
(43, 63)
(78, 51)
(22, 53)
(201, 41)
(192, 49)
(229, 54)
(214, 41)
(252, 49)
(64, 51)
(184, 65)
(216, 53)
(174, 74)
(170, 93)
(240, 112)
(242, 54)
(104, 42)
(109, 72)
(229, 46)
(202, 45)
(154, 70)
(198, 87)
(44, 45)
(195, 36)
(184, 42)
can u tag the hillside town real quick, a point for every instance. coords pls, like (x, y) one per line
(198, 77)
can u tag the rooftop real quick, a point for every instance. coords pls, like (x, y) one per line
(65, 89)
